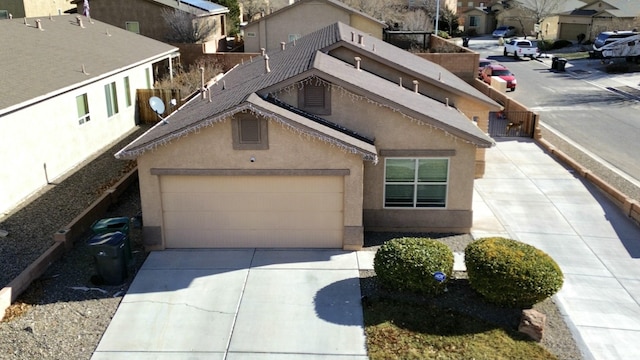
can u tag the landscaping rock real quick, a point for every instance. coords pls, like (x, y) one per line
(532, 323)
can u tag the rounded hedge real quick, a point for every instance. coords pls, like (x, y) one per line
(511, 273)
(409, 264)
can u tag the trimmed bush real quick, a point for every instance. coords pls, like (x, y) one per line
(508, 272)
(409, 264)
(559, 44)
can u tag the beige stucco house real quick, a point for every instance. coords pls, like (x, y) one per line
(303, 17)
(311, 145)
(145, 17)
(33, 8)
(68, 91)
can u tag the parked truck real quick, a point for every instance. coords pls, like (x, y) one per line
(521, 48)
(617, 44)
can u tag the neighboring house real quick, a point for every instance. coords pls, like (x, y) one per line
(466, 5)
(591, 19)
(477, 20)
(33, 8)
(145, 17)
(301, 18)
(310, 146)
(68, 90)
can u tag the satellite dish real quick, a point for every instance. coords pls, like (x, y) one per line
(156, 104)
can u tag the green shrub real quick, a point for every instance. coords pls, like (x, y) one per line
(511, 273)
(559, 44)
(409, 264)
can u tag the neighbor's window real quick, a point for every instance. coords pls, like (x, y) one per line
(132, 26)
(111, 95)
(473, 21)
(294, 37)
(315, 97)
(127, 91)
(82, 104)
(249, 132)
(416, 183)
(4, 14)
(147, 72)
(470, 4)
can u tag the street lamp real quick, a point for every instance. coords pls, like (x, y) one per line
(437, 15)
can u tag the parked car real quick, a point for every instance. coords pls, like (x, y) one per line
(504, 31)
(481, 64)
(500, 71)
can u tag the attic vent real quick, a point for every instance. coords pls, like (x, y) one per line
(415, 86)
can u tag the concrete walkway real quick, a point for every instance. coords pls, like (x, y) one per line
(240, 304)
(526, 195)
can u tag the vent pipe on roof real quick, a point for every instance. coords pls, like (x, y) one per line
(415, 86)
(84, 71)
(10, 16)
(224, 84)
(266, 64)
(440, 76)
(39, 24)
(374, 47)
(50, 17)
(357, 59)
(263, 51)
(294, 42)
(353, 36)
(108, 33)
(79, 20)
(361, 39)
(400, 82)
(446, 101)
(202, 88)
(282, 44)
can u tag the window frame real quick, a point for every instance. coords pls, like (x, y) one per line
(86, 117)
(127, 91)
(111, 99)
(416, 184)
(128, 28)
(474, 20)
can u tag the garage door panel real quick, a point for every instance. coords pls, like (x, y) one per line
(253, 211)
(257, 238)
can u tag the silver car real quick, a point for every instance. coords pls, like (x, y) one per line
(504, 31)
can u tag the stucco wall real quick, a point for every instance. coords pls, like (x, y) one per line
(393, 131)
(33, 8)
(49, 133)
(212, 148)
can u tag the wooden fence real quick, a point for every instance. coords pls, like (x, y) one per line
(146, 114)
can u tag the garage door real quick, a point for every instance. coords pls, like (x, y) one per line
(252, 211)
(571, 31)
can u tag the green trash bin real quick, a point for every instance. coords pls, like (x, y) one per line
(110, 225)
(108, 254)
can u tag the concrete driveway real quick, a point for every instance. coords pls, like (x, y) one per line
(240, 304)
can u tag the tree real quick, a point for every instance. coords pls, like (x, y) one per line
(536, 11)
(185, 27)
(251, 8)
(233, 16)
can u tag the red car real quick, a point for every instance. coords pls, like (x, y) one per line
(502, 72)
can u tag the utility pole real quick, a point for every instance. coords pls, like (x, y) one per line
(437, 15)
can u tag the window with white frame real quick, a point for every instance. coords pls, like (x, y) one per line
(82, 104)
(127, 91)
(147, 73)
(473, 21)
(416, 182)
(132, 26)
(111, 96)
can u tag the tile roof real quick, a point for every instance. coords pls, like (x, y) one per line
(37, 64)
(303, 58)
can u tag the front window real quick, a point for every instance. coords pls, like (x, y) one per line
(127, 91)
(416, 183)
(473, 21)
(111, 96)
(82, 104)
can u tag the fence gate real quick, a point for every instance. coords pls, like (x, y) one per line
(147, 115)
(512, 124)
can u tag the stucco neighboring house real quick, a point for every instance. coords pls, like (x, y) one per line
(591, 19)
(301, 18)
(145, 17)
(68, 91)
(310, 146)
(522, 13)
(477, 20)
(32, 8)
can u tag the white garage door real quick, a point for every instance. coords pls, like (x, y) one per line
(252, 211)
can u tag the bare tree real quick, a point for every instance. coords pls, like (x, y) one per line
(534, 11)
(383, 10)
(251, 8)
(185, 27)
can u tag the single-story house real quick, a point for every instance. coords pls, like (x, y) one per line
(301, 18)
(147, 17)
(312, 144)
(68, 91)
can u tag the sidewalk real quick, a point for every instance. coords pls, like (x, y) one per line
(526, 195)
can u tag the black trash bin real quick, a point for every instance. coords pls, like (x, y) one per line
(562, 63)
(110, 225)
(554, 63)
(108, 254)
(465, 41)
